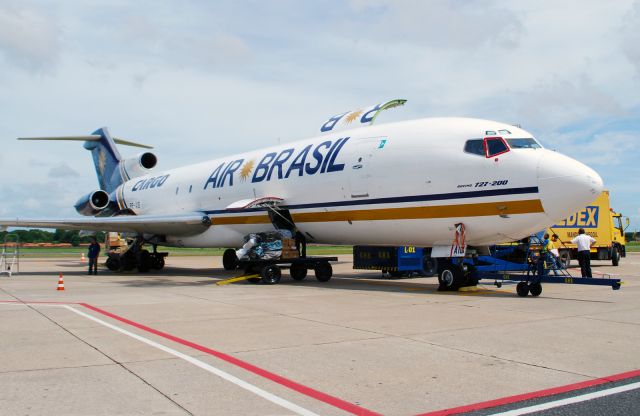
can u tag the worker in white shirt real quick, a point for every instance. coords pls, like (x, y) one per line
(584, 243)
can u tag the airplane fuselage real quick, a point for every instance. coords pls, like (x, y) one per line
(404, 183)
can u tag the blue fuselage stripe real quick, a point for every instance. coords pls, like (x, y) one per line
(394, 200)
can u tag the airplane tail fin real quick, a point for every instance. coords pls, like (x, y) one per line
(106, 158)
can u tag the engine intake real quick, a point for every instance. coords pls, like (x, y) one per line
(92, 203)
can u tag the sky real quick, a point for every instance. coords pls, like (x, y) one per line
(205, 79)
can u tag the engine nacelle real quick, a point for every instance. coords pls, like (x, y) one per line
(140, 165)
(92, 203)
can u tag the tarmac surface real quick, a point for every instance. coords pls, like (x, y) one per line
(174, 343)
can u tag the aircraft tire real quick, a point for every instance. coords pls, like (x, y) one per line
(271, 274)
(229, 259)
(113, 263)
(522, 289)
(144, 261)
(157, 262)
(127, 261)
(451, 277)
(298, 271)
(429, 265)
(615, 256)
(324, 271)
(535, 289)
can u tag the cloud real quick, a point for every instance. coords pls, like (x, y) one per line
(631, 36)
(28, 38)
(440, 24)
(62, 171)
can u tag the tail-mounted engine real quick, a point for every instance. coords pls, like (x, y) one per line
(139, 165)
(92, 203)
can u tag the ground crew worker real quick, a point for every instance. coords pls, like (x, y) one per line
(544, 255)
(584, 243)
(94, 251)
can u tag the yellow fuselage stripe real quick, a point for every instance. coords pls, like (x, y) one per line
(410, 213)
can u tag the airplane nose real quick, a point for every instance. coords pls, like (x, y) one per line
(565, 185)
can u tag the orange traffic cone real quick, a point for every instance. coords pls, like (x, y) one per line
(60, 283)
(82, 259)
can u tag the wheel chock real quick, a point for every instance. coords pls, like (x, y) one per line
(237, 279)
(468, 289)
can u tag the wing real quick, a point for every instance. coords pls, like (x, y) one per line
(178, 225)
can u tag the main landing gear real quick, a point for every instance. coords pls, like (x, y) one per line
(136, 257)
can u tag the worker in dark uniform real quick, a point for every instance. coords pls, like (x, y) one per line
(301, 243)
(94, 251)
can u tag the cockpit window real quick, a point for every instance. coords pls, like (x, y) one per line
(475, 146)
(528, 143)
(495, 146)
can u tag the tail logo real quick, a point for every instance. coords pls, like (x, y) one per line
(102, 161)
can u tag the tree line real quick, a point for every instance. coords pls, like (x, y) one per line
(55, 237)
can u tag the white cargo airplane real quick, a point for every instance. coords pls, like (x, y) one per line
(404, 183)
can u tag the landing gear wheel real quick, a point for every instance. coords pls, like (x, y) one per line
(229, 259)
(113, 264)
(565, 259)
(157, 262)
(523, 289)
(298, 271)
(324, 271)
(535, 289)
(128, 261)
(451, 277)
(615, 256)
(271, 274)
(144, 261)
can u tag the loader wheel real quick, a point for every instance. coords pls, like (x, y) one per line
(451, 277)
(615, 256)
(522, 289)
(229, 259)
(535, 289)
(271, 274)
(298, 271)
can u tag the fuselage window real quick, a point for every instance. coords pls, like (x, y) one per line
(528, 143)
(495, 146)
(475, 146)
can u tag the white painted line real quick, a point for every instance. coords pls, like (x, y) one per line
(570, 400)
(207, 367)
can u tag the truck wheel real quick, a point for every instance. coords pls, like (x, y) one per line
(271, 274)
(128, 261)
(113, 263)
(324, 271)
(451, 277)
(298, 271)
(565, 258)
(535, 289)
(615, 256)
(229, 259)
(522, 289)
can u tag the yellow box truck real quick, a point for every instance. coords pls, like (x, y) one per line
(600, 222)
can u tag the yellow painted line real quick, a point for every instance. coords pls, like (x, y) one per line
(409, 213)
(236, 279)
